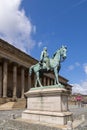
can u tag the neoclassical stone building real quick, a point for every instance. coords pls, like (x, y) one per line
(14, 72)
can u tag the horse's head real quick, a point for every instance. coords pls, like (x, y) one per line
(60, 54)
(63, 51)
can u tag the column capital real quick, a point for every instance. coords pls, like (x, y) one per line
(23, 67)
(15, 64)
(5, 60)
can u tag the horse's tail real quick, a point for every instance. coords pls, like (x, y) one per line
(30, 70)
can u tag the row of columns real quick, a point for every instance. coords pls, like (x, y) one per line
(45, 81)
(3, 80)
(48, 81)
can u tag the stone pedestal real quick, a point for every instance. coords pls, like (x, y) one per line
(48, 105)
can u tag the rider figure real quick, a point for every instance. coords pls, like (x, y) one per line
(44, 58)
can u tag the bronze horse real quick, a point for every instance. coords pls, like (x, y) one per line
(55, 64)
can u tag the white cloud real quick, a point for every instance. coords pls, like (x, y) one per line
(15, 26)
(71, 67)
(79, 3)
(80, 88)
(77, 64)
(39, 44)
(85, 68)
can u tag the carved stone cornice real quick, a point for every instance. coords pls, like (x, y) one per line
(14, 54)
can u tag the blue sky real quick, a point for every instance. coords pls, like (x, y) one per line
(32, 24)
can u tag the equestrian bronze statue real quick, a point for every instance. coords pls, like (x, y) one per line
(46, 64)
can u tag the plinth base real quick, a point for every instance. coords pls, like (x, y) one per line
(48, 105)
(57, 118)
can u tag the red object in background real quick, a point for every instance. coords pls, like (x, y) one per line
(78, 98)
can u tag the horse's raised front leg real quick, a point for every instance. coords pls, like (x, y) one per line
(38, 79)
(56, 76)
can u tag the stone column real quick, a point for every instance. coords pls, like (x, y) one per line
(29, 82)
(0, 81)
(48, 81)
(14, 81)
(22, 82)
(5, 78)
(52, 82)
(44, 81)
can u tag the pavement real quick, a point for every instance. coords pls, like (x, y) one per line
(78, 114)
(7, 116)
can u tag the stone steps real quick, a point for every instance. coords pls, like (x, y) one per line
(19, 104)
(7, 106)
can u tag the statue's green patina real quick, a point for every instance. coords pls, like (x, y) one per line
(44, 58)
(47, 64)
